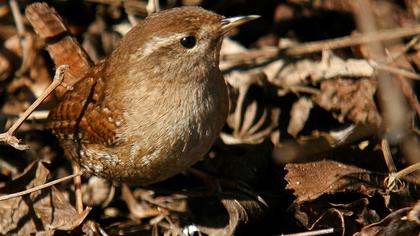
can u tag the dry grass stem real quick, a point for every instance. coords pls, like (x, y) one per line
(408, 170)
(40, 187)
(137, 6)
(78, 187)
(313, 232)
(17, 16)
(408, 46)
(388, 156)
(251, 56)
(8, 137)
(352, 40)
(394, 70)
(152, 6)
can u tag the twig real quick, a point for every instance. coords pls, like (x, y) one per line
(8, 137)
(347, 41)
(78, 187)
(408, 46)
(408, 170)
(157, 5)
(318, 46)
(17, 16)
(135, 5)
(313, 232)
(152, 6)
(131, 17)
(37, 188)
(251, 55)
(394, 183)
(394, 70)
(35, 115)
(387, 156)
(38, 115)
(304, 89)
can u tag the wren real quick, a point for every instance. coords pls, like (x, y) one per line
(155, 105)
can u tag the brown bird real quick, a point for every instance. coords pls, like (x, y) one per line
(154, 106)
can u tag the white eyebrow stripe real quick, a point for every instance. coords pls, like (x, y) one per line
(157, 42)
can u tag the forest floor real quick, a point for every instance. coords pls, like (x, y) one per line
(322, 135)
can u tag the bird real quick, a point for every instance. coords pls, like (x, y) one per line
(155, 105)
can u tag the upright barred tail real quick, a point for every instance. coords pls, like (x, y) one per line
(62, 46)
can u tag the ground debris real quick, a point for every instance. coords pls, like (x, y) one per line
(301, 149)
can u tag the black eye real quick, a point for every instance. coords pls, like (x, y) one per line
(188, 42)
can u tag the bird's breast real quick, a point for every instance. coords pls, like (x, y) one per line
(167, 137)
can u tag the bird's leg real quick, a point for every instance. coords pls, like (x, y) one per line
(78, 187)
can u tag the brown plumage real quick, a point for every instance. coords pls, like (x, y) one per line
(62, 46)
(155, 105)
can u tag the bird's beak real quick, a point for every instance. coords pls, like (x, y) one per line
(233, 22)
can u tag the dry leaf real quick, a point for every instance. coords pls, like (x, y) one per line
(251, 118)
(345, 217)
(308, 71)
(313, 179)
(47, 208)
(350, 99)
(396, 223)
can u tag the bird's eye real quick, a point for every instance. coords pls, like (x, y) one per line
(188, 42)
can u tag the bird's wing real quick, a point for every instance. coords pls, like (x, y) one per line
(83, 117)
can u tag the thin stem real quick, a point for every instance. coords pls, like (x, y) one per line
(58, 78)
(8, 137)
(388, 156)
(394, 70)
(78, 187)
(408, 46)
(40, 187)
(408, 170)
(348, 41)
(318, 46)
(313, 232)
(157, 6)
(152, 6)
(23, 42)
